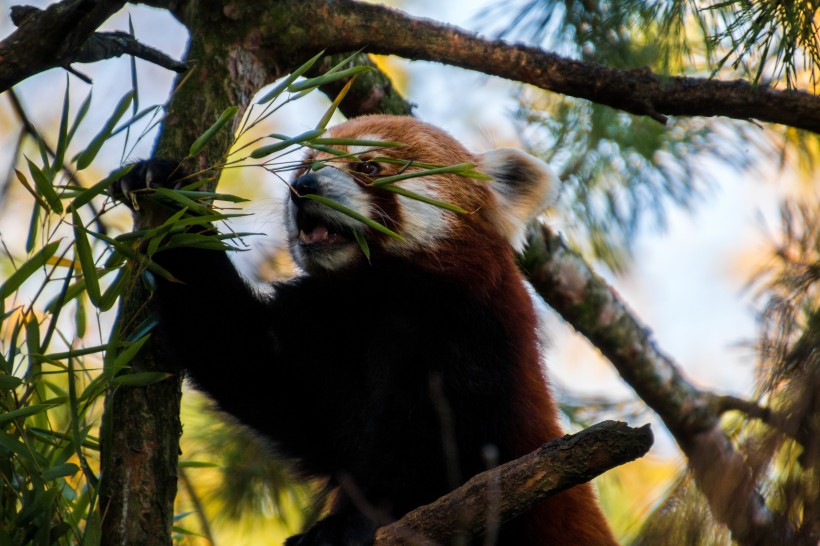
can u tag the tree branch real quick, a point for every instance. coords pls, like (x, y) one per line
(379, 29)
(64, 33)
(518, 485)
(48, 38)
(567, 283)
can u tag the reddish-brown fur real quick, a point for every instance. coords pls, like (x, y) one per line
(478, 257)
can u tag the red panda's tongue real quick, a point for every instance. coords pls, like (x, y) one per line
(316, 235)
(320, 234)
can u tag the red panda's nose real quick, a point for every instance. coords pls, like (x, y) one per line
(308, 183)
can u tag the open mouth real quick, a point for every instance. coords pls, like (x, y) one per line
(314, 230)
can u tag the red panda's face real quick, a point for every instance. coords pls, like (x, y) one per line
(325, 239)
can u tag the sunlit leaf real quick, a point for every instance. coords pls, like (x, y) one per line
(27, 269)
(284, 84)
(206, 137)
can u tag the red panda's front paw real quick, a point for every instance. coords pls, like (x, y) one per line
(134, 189)
(337, 530)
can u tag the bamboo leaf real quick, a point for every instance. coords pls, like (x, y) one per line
(98, 188)
(33, 227)
(80, 115)
(85, 157)
(423, 198)
(335, 141)
(124, 358)
(27, 411)
(332, 109)
(9, 382)
(27, 269)
(450, 169)
(141, 379)
(284, 84)
(46, 188)
(62, 139)
(59, 471)
(272, 148)
(353, 214)
(224, 118)
(362, 244)
(83, 248)
(24, 181)
(324, 79)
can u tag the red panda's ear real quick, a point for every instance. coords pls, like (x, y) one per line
(523, 185)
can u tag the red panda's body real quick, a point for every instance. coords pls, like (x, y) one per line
(392, 375)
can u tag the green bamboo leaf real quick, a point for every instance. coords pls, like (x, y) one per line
(12, 444)
(324, 79)
(80, 115)
(80, 316)
(32, 339)
(423, 198)
(328, 150)
(212, 196)
(284, 84)
(24, 181)
(335, 141)
(136, 117)
(88, 194)
(272, 148)
(27, 269)
(83, 249)
(33, 227)
(85, 157)
(362, 244)
(197, 464)
(450, 169)
(126, 355)
(353, 214)
(59, 471)
(468, 173)
(62, 139)
(27, 411)
(46, 188)
(184, 201)
(134, 256)
(332, 109)
(9, 382)
(141, 379)
(114, 290)
(224, 118)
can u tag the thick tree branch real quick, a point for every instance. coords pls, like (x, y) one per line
(594, 309)
(379, 29)
(48, 38)
(513, 488)
(63, 34)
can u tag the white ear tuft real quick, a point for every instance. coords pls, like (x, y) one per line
(524, 187)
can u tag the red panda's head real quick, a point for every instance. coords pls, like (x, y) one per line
(324, 239)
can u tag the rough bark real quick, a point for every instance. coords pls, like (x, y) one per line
(139, 474)
(49, 38)
(511, 489)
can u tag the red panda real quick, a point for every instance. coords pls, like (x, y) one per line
(388, 373)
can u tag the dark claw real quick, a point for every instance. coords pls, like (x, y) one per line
(152, 173)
